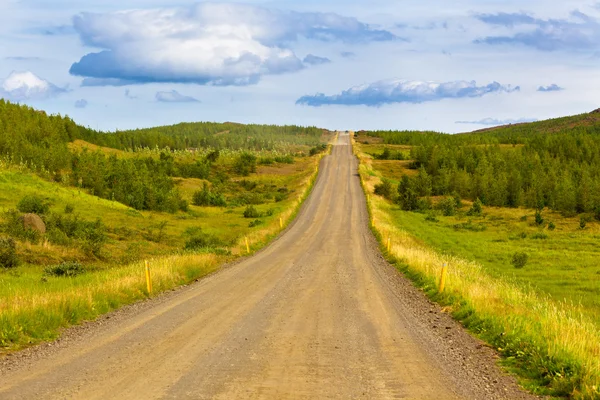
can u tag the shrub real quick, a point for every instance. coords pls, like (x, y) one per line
(458, 204)
(56, 236)
(202, 240)
(582, 222)
(447, 206)
(65, 269)
(8, 253)
(476, 208)
(424, 204)
(318, 149)
(431, 217)
(551, 226)
(206, 197)
(519, 259)
(13, 226)
(251, 212)
(287, 159)
(34, 204)
(470, 226)
(254, 223)
(280, 196)
(384, 189)
(69, 208)
(245, 164)
(539, 220)
(93, 237)
(539, 235)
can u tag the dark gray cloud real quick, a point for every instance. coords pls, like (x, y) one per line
(315, 60)
(580, 32)
(208, 43)
(402, 91)
(174, 97)
(550, 88)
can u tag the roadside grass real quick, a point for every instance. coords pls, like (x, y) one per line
(35, 306)
(552, 344)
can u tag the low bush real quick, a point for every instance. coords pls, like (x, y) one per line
(254, 223)
(8, 253)
(385, 189)
(318, 149)
(245, 164)
(470, 226)
(447, 206)
(539, 236)
(251, 212)
(65, 269)
(208, 198)
(34, 204)
(287, 159)
(203, 240)
(13, 226)
(431, 217)
(476, 208)
(519, 259)
(551, 226)
(539, 220)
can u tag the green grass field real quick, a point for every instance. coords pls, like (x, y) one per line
(562, 263)
(544, 318)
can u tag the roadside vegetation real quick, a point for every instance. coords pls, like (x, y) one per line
(523, 274)
(80, 211)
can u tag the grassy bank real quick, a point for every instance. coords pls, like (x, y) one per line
(36, 305)
(553, 345)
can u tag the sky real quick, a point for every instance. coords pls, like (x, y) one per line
(367, 64)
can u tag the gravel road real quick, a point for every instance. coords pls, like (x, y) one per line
(316, 315)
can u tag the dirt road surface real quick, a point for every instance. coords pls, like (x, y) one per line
(316, 315)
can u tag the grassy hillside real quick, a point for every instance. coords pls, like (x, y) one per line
(514, 213)
(108, 207)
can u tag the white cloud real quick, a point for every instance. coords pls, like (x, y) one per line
(403, 91)
(19, 86)
(496, 122)
(209, 43)
(174, 97)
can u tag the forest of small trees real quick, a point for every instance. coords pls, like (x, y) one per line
(39, 142)
(553, 164)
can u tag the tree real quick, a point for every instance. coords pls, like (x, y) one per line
(407, 195)
(423, 183)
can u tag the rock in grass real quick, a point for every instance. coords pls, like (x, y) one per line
(33, 222)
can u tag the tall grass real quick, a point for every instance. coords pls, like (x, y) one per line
(31, 311)
(552, 346)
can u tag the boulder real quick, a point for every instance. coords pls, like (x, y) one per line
(33, 221)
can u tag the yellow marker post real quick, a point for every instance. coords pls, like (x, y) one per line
(280, 223)
(443, 277)
(247, 246)
(148, 279)
(389, 244)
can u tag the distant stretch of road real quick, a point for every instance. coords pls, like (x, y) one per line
(316, 315)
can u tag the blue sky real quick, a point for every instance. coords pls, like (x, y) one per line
(378, 64)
